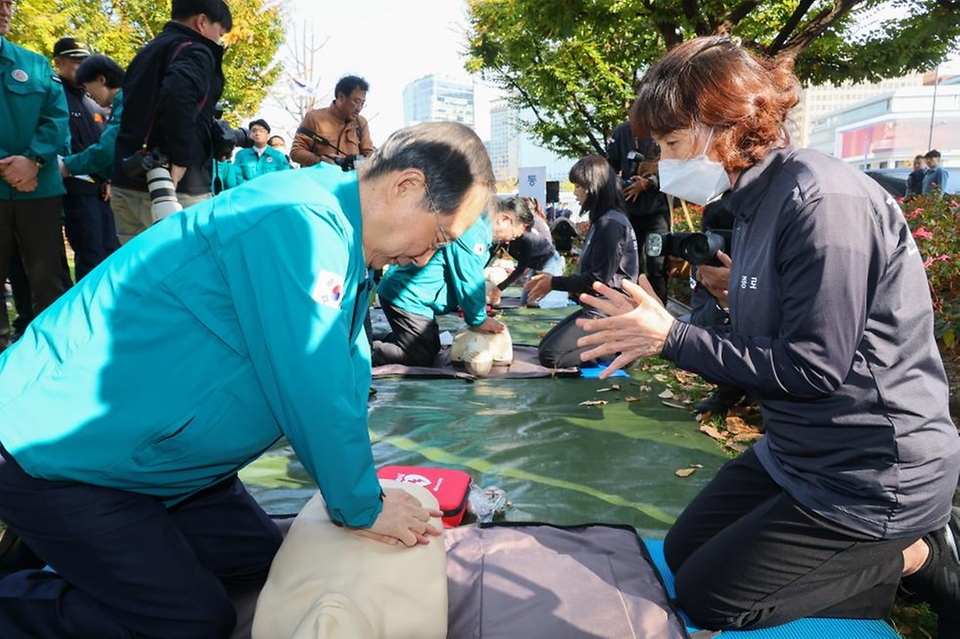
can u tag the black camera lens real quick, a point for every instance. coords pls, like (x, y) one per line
(701, 247)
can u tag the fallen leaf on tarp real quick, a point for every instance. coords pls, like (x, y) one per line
(740, 448)
(615, 387)
(661, 378)
(667, 394)
(594, 402)
(674, 405)
(685, 472)
(633, 399)
(645, 389)
(711, 431)
(747, 437)
(696, 465)
(736, 425)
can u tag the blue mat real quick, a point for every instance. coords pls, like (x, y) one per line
(594, 373)
(810, 628)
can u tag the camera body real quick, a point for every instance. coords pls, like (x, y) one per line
(695, 248)
(226, 138)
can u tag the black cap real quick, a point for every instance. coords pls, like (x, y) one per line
(70, 48)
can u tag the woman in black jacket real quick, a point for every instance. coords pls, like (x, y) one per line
(609, 257)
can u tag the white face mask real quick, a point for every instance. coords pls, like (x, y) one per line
(698, 180)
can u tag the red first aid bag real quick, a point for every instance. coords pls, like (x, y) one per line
(450, 487)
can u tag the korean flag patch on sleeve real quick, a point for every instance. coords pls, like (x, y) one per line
(328, 289)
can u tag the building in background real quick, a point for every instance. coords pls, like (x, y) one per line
(818, 101)
(511, 148)
(438, 98)
(888, 130)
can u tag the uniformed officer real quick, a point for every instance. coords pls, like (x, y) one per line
(33, 111)
(259, 159)
(128, 408)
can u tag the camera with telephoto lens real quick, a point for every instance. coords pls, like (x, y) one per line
(154, 166)
(696, 248)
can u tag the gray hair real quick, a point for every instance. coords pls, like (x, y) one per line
(450, 155)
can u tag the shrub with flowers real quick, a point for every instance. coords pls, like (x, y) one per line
(935, 222)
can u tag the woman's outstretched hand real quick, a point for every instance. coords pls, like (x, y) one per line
(637, 326)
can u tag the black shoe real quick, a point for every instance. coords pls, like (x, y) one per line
(721, 400)
(938, 582)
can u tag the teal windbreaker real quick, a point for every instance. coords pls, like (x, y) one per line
(453, 277)
(191, 350)
(249, 165)
(97, 159)
(34, 121)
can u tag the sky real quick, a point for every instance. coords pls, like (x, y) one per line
(388, 43)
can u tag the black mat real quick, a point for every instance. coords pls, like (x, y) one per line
(524, 366)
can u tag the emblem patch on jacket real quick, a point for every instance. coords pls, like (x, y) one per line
(329, 289)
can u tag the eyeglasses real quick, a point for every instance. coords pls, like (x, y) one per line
(438, 244)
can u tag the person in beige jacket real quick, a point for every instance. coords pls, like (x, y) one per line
(336, 132)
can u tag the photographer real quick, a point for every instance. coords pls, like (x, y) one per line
(170, 92)
(338, 132)
(634, 158)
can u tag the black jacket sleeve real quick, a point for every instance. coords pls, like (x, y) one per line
(599, 262)
(183, 91)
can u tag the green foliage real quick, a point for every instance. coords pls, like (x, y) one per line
(575, 63)
(119, 28)
(935, 222)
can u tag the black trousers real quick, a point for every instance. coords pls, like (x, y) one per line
(88, 222)
(655, 268)
(21, 292)
(414, 340)
(36, 227)
(558, 348)
(746, 556)
(127, 566)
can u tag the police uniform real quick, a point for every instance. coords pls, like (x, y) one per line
(262, 293)
(412, 297)
(33, 110)
(248, 163)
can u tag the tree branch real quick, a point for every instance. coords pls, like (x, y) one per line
(692, 12)
(813, 29)
(668, 30)
(733, 17)
(802, 7)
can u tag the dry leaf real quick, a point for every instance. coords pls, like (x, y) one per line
(747, 437)
(661, 378)
(740, 448)
(645, 389)
(615, 387)
(736, 425)
(667, 394)
(711, 431)
(594, 402)
(633, 399)
(685, 472)
(674, 405)
(696, 465)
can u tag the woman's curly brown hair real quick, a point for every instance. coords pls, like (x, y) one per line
(712, 81)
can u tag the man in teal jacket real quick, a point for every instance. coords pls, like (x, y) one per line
(412, 296)
(33, 129)
(259, 159)
(129, 406)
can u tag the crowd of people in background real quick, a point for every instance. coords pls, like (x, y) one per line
(927, 175)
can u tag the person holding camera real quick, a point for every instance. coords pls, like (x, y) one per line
(337, 133)
(34, 128)
(831, 330)
(609, 256)
(634, 158)
(121, 438)
(170, 92)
